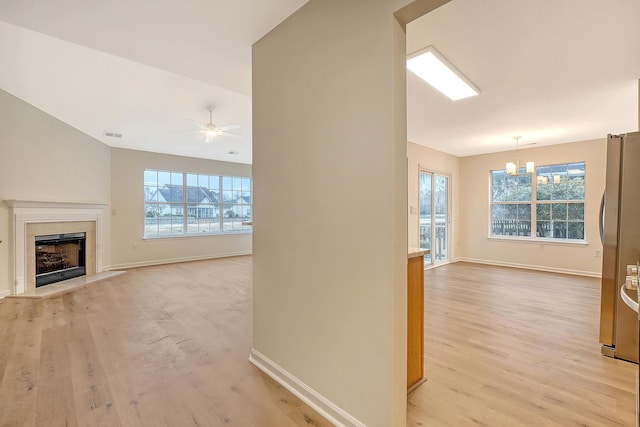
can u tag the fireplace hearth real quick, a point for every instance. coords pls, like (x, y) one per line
(59, 257)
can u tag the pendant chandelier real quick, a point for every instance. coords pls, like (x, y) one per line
(513, 168)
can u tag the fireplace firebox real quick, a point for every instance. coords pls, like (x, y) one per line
(59, 257)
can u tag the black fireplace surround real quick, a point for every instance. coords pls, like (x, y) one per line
(60, 257)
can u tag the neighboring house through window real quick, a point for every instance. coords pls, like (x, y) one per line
(177, 203)
(553, 202)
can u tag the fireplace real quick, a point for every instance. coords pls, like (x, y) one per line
(43, 218)
(59, 257)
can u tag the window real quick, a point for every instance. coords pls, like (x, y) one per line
(511, 204)
(560, 201)
(554, 202)
(177, 203)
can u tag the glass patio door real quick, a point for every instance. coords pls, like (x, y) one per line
(434, 217)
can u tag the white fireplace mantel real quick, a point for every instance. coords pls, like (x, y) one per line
(25, 204)
(28, 211)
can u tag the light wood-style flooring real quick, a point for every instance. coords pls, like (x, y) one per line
(157, 346)
(509, 347)
(168, 346)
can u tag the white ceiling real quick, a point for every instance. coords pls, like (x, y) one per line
(143, 68)
(551, 71)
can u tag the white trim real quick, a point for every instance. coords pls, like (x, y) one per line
(4, 294)
(540, 240)
(450, 196)
(174, 260)
(20, 204)
(188, 236)
(532, 267)
(315, 400)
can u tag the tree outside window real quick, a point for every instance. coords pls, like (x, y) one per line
(554, 202)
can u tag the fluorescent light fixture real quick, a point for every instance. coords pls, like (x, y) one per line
(432, 67)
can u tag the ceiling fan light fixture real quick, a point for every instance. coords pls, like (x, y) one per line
(431, 66)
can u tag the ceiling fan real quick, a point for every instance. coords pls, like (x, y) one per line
(211, 130)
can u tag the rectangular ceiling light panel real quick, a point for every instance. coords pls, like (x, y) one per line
(432, 67)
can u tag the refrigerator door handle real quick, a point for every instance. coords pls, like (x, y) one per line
(633, 305)
(604, 196)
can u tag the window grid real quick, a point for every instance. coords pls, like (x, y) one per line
(187, 204)
(554, 202)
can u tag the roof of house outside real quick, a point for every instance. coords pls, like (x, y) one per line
(173, 193)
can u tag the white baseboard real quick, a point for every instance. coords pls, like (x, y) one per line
(4, 294)
(531, 267)
(172, 260)
(429, 267)
(319, 403)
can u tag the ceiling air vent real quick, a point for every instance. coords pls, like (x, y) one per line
(113, 134)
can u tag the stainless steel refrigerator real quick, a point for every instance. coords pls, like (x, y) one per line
(620, 234)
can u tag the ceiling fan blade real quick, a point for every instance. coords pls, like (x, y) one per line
(228, 127)
(231, 135)
(212, 131)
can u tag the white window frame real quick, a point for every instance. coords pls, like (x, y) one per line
(186, 206)
(450, 237)
(533, 203)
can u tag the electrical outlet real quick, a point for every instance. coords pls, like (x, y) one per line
(598, 253)
(135, 246)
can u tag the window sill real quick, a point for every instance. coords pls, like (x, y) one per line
(540, 240)
(190, 236)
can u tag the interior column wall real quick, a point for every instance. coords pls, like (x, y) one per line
(330, 242)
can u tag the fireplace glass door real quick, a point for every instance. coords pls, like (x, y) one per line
(59, 257)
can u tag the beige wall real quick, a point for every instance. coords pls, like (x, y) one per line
(432, 160)
(44, 159)
(127, 204)
(475, 244)
(329, 126)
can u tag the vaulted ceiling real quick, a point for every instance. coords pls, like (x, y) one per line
(145, 69)
(549, 71)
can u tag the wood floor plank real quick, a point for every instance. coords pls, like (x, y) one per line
(157, 346)
(19, 388)
(55, 405)
(168, 345)
(92, 397)
(517, 348)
